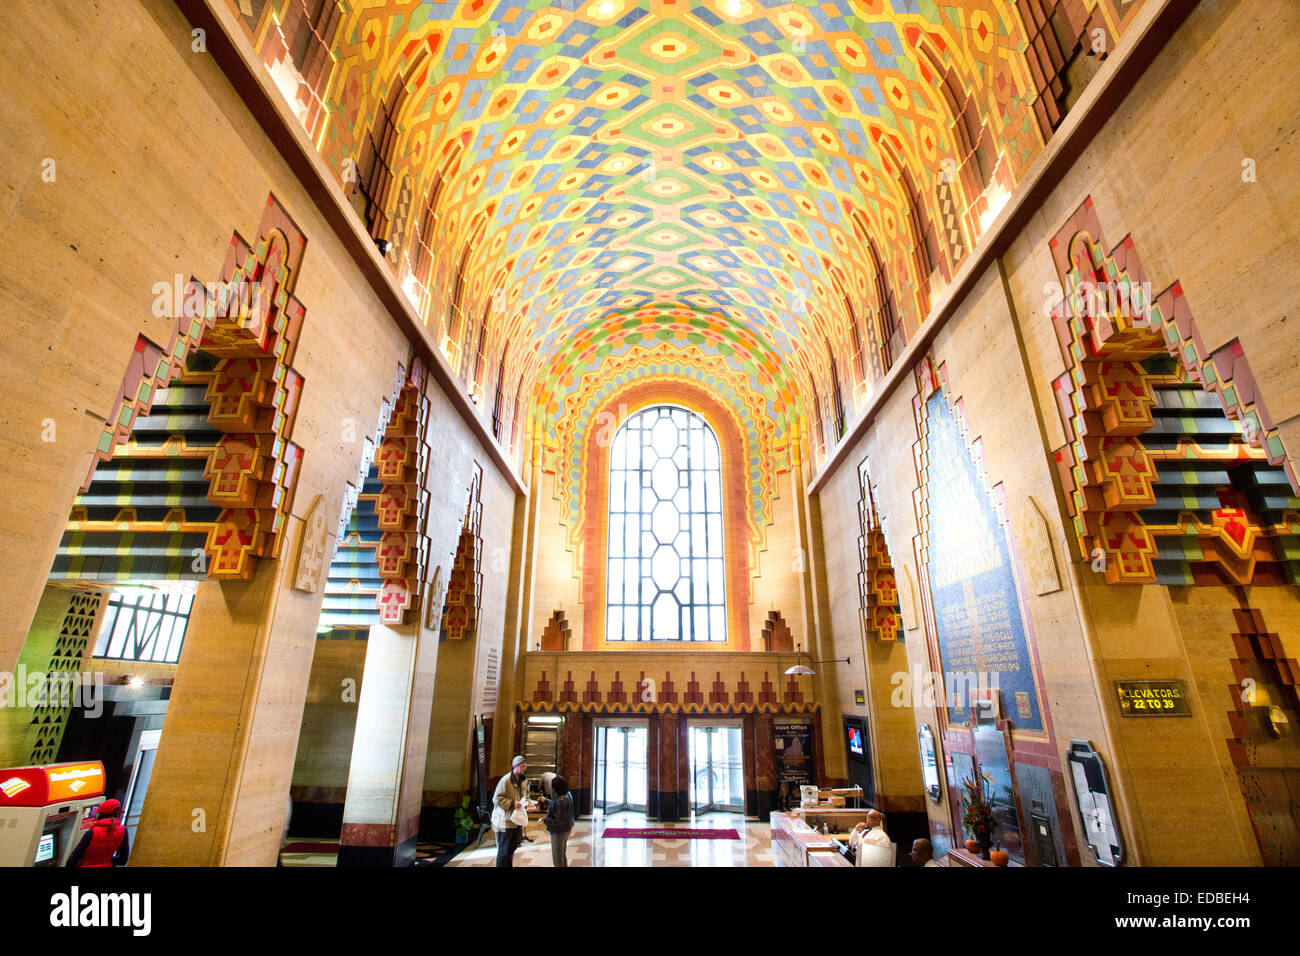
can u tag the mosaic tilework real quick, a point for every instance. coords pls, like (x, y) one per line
(199, 442)
(1147, 465)
(575, 161)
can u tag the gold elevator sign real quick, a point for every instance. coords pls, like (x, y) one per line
(1152, 698)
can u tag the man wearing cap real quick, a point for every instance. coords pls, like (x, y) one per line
(508, 797)
(106, 842)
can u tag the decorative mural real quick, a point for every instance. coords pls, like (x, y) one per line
(965, 559)
(1174, 470)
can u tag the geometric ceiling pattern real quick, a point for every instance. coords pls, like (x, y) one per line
(735, 177)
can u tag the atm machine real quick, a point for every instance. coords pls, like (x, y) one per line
(42, 809)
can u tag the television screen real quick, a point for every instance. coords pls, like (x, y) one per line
(45, 849)
(855, 740)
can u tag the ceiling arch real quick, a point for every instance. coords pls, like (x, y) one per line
(700, 172)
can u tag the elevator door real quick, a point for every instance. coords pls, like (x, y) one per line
(717, 770)
(621, 781)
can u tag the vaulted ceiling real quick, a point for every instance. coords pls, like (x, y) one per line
(628, 183)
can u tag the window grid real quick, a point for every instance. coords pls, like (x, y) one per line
(144, 625)
(666, 579)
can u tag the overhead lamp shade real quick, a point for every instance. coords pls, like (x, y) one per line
(801, 670)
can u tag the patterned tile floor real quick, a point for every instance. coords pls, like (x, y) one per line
(587, 848)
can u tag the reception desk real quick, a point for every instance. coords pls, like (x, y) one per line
(796, 843)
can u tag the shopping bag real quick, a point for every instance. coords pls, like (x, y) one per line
(519, 817)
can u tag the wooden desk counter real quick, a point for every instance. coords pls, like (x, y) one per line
(792, 839)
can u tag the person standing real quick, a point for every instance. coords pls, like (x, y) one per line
(106, 842)
(559, 821)
(509, 797)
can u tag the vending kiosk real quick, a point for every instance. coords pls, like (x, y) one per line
(42, 809)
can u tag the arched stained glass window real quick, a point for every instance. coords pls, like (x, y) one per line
(666, 576)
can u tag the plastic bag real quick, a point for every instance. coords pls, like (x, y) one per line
(519, 817)
(498, 818)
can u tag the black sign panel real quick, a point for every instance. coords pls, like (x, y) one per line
(1152, 698)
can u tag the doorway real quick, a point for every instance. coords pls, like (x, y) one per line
(621, 768)
(717, 768)
(141, 771)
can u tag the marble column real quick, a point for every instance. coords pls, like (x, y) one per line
(219, 793)
(381, 815)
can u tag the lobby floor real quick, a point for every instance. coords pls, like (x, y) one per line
(588, 848)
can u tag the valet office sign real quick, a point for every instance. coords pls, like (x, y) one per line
(1152, 698)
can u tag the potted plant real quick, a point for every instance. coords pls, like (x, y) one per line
(977, 811)
(464, 822)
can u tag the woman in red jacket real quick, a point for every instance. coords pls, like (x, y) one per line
(106, 842)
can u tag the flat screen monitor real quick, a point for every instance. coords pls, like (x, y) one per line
(47, 849)
(855, 739)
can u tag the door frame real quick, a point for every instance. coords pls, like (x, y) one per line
(599, 783)
(718, 723)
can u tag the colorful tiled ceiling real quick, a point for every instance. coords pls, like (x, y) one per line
(729, 156)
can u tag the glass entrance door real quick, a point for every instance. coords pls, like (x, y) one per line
(621, 770)
(717, 769)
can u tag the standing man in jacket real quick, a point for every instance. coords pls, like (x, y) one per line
(559, 821)
(508, 797)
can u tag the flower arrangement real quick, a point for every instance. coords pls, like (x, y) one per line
(976, 804)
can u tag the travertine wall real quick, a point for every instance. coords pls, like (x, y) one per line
(329, 720)
(459, 693)
(557, 581)
(1167, 168)
(154, 168)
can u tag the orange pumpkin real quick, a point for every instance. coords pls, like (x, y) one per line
(999, 858)
(973, 846)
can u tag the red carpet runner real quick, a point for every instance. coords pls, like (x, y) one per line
(668, 833)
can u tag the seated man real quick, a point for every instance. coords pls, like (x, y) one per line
(923, 853)
(871, 832)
